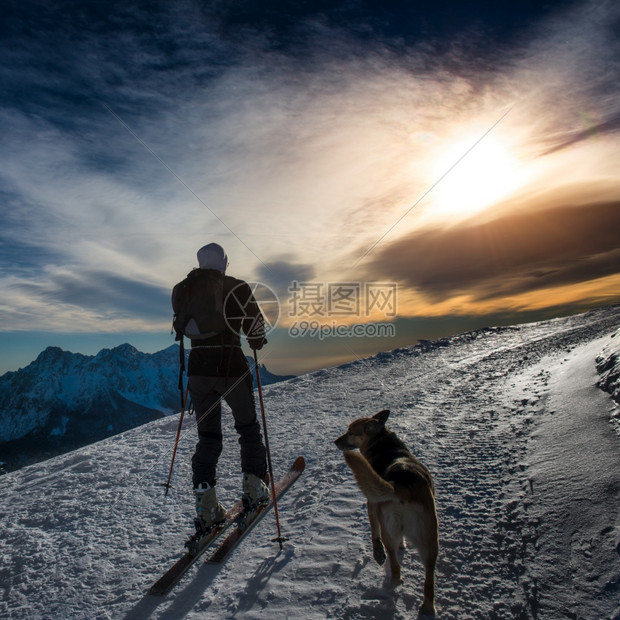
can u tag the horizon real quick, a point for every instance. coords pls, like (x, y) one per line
(336, 359)
(388, 173)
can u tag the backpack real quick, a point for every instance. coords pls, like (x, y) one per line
(198, 305)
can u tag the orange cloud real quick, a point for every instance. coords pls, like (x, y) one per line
(526, 260)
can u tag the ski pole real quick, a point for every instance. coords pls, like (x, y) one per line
(176, 442)
(280, 539)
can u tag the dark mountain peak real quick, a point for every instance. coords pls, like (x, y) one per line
(50, 354)
(124, 350)
(55, 356)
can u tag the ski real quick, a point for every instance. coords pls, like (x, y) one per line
(246, 521)
(196, 547)
(238, 517)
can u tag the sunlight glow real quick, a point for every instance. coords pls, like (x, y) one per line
(474, 179)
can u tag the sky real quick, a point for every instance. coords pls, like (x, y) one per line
(381, 172)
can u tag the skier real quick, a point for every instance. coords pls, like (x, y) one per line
(218, 368)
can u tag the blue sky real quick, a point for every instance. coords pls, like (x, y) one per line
(467, 152)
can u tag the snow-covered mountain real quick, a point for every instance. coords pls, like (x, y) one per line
(509, 421)
(65, 400)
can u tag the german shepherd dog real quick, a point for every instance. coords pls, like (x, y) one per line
(400, 495)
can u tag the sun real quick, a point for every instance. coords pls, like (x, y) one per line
(471, 176)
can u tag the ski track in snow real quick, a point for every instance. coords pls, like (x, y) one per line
(525, 461)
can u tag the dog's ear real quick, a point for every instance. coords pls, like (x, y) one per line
(377, 422)
(373, 427)
(382, 416)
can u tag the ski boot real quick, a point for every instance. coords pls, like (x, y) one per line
(209, 511)
(255, 491)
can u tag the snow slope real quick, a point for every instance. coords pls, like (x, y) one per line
(510, 422)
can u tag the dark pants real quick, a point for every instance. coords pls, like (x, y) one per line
(238, 392)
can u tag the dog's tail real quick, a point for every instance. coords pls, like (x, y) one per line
(374, 487)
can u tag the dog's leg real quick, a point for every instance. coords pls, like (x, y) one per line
(428, 604)
(376, 490)
(378, 550)
(392, 553)
(429, 550)
(391, 537)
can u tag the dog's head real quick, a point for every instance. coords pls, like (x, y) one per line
(361, 431)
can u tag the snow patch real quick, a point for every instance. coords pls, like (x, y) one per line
(61, 429)
(608, 366)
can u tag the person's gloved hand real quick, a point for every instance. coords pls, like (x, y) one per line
(256, 344)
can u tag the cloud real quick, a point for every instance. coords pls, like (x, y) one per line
(107, 292)
(307, 136)
(518, 252)
(608, 126)
(281, 273)
(565, 76)
(83, 301)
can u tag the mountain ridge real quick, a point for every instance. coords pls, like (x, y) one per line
(64, 400)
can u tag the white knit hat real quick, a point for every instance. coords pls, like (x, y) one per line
(212, 256)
